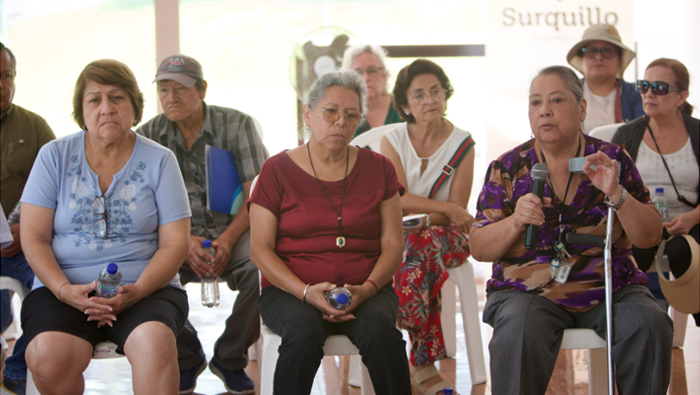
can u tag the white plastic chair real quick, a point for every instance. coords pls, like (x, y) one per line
(335, 345)
(463, 278)
(15, 329)
(605, 132)
(577, 339)
(102, 350)
(372, 138)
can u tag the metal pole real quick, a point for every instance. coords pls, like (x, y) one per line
(608, 299)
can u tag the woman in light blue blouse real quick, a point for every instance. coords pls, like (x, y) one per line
(104, 195)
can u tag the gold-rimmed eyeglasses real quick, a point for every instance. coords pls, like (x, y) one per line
(99, 227)
(331, 115)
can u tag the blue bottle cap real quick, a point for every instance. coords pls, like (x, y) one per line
(342, 298)
(112, 268)
(206, 243)
(447, 391)
(659, 190)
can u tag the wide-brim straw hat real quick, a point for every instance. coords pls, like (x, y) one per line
(601, 32)
(682, 293)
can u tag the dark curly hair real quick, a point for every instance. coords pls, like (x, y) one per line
(406, 76)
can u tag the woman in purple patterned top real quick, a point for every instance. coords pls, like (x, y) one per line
(534, 294)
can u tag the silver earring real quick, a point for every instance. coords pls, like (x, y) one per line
(407, 113)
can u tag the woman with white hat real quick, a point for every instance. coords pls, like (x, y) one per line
(602, 59)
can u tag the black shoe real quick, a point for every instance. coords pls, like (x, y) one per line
(235, 381)
(12, 386)
(188, 378)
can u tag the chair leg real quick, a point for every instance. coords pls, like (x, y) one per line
(680, 324)
(270, 345)
(463, 276)
(355, 371)
(447, 317)
(598, 371)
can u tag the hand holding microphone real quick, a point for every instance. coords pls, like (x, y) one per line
(539, 173)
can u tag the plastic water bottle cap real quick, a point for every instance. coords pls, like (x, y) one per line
(342, 298)
(206, 243)
(659, 190)
(112, 268)
(447, 391)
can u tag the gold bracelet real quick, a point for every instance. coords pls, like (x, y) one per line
(306, 289)
(58, 293)
(427, 220)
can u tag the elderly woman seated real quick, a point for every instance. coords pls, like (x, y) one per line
(534, 294)
(327, 214)
(98, 196)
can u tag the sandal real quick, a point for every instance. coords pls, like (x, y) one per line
(420, 376)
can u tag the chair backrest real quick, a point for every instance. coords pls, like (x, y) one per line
(605, 132)
(371, 138)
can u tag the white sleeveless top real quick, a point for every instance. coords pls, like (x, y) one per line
(684, 168)
(420, 184)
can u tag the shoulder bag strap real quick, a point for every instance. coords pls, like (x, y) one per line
(451, 165)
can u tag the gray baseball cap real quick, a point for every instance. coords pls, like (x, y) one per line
(181, 69)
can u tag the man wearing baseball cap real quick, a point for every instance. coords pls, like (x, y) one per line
(186, 126)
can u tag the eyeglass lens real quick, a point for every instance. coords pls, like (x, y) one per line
(422, 97)
(331, 115)
(371, 71)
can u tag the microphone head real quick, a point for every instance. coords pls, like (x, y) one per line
(539, 171)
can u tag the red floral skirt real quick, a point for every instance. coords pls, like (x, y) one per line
(418, 282)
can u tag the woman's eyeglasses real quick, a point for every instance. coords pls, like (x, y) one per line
(422, 97)
(658, 88)
(591, 52)
(99, 227)
(331, 115)
(372, 71)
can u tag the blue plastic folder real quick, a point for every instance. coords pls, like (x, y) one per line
(224, 187)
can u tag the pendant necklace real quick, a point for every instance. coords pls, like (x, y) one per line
(340, 240)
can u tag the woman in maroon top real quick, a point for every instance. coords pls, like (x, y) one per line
(327, 214)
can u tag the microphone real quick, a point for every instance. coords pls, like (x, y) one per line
(539, 173)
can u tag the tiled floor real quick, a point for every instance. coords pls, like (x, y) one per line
(570, 376)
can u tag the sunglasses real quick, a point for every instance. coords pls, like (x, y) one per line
(99, 227)
(658, 88)
(331, 115)
(591, 52)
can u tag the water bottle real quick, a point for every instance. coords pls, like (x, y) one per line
(661, 203)
(13, 218)
(210, 284)
(339, 298)
(108, 281)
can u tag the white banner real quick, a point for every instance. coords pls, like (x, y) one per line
(526, 36)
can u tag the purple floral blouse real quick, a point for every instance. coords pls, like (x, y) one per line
(508, 178)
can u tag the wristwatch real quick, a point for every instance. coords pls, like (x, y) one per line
(616, 206)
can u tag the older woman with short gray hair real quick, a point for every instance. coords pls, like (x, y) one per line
(369, 61)
(324, 215)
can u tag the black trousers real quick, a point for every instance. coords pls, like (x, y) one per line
(304, 332)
